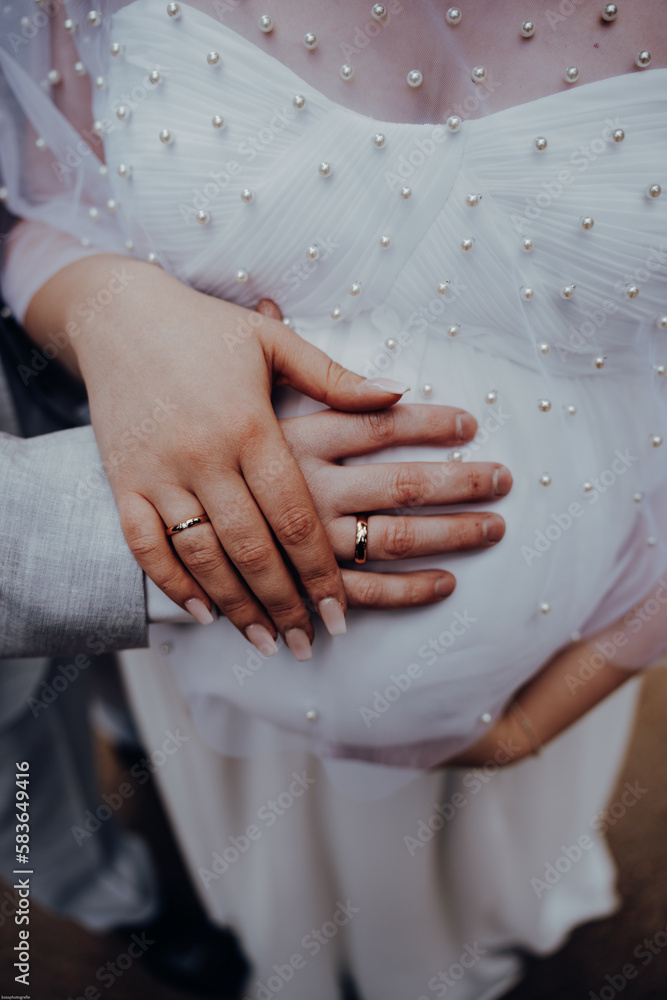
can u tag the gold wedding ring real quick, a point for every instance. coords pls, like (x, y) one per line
(361, 539)
(190, 523)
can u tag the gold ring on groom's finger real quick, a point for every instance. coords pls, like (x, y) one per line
(361, 539)
(190, 523)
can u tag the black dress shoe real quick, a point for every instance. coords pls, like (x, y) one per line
(193, 955)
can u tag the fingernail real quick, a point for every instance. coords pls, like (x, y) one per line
(502, 482)
(298, 644)
(493, 529)
(262, 639)
(465, 426)
(443, 586)
(199, 611)
(387, 385)
(332, 616)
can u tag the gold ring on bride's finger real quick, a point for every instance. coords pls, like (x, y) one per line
(190, 523)
(361, 539)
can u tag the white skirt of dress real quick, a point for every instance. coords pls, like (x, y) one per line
(421, 894)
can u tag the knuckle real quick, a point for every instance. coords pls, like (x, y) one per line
(237, 609)
(399, 542)
(141, 542)
(413, 590)
(475, 485)
(253, 556)
(380, 426)
(202, 560)
(370, 589)
(296, 526)
(407, 490)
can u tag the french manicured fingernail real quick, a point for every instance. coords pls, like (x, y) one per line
(443, 586)
(199, 611)
(387, 385)
(298, 644)
(332, 616)
(502, 482)
(262, 639)
(493, 529)
(465, 426)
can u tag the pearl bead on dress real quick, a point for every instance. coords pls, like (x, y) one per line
(571, 74)
(379, 11)
(661, 322)
(310, 41)
(540, 143)
(241, 276)
(453, 16)
(567, 291)
(124, 171)
(247, 196)
(467, 244)
(656, 440)
(587, 222)
(154, 77)
(609, 12)
(643, 59)
(203, 217)
(454, 123)
(94, 18)
(632, 291)
(166, 137)
(571, 410)
(312, 715)
(266, 23)
(618, 135)
(653, 191)
(217, 121)
(545, 608)
(115, 48)
(426, 390)
(355, 288)
(478, 74)
(213, 58)
(54, 77)
(405, 192)
(313, 252)
(527, 245)
(174, 11)
(385, 242)
(491, 397)
(544, 405)
(69, 25)
(527, 29)
(472, 200)
(453, 330)
(442, 288)
(527, 293)
(378, 140)
(299, 102)
(325, 169)
(545, 479)
(415, 78)
(346, 71)
(599, 362)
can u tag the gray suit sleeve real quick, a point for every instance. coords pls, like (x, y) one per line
(68, 581)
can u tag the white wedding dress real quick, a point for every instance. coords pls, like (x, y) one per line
(497, 243)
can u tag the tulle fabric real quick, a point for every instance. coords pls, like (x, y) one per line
(412, 693)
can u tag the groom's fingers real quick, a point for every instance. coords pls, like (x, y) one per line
(331, 436)
(384, 486)
(393, 537)
(384, 591)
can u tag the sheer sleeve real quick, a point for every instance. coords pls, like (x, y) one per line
(51, 151)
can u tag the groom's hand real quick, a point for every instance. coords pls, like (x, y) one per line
(319, 441)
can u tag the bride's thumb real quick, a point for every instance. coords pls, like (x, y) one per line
(312, 372)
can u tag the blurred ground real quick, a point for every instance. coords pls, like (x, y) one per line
(588, 968)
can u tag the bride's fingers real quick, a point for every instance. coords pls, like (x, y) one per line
(146, 537)
(333, 436)
(383, 591)
(280, 491)
(385, 485)
(393, 537)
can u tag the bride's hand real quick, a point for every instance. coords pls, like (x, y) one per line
(179, 385)
(319, 441)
